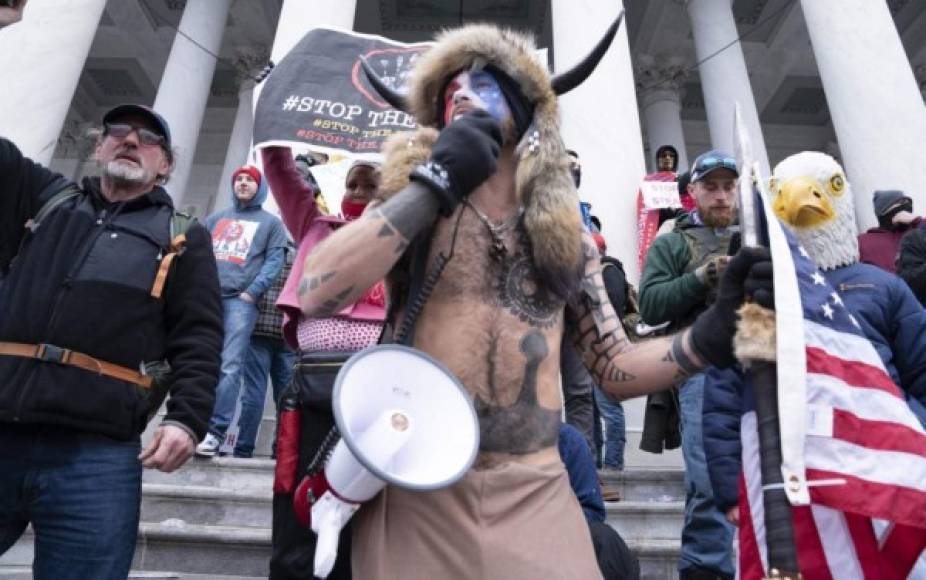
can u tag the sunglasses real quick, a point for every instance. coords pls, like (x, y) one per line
(711, 163)
(145, 136)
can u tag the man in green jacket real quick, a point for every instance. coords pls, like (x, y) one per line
(680, 281)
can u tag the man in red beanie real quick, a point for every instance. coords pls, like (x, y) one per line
(249, 246)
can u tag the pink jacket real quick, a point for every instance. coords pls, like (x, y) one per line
(301, 216)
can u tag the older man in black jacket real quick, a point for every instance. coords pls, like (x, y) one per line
(89, 304)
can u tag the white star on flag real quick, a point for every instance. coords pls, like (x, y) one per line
(827, 311)
(836, 299)
(818, 279)
(803, 252)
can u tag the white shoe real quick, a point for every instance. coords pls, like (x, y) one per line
(209, 447)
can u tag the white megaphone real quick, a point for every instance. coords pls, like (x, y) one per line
(404, 420)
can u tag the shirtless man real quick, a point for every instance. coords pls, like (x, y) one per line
(496, 189)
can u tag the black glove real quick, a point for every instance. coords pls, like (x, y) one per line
(747, 276)
(464, 156)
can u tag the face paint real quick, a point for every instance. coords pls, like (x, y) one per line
(481, 90)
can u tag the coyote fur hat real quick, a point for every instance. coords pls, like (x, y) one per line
(543, 182)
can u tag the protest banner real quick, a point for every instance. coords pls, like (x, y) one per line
(317, 97)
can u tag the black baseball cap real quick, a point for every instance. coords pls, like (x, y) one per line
(125, 110)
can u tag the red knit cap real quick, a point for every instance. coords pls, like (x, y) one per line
(599, 241)
(250, 170)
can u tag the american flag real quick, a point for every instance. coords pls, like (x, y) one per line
(862, 453)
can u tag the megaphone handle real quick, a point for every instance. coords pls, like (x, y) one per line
(326, 550)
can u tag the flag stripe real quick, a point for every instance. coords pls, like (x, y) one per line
(810, 553)
(752, 470)
(878, 500)
(900, 551)
(866, 545)
(853, 373)
(749, 555)
(868, 404)
(837, 544)
(880, 435)
(849, 346)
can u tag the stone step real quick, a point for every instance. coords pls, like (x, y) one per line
(646, 520)
(212, 552)
(658, 558)
(25, 573)
(228, 473)
(214, 506)
(182, 548)
(638, 484)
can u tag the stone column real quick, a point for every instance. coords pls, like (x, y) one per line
(873, 98)
(724, 78)
(185, 84)
(659, 84)
(600, 121)
(239, 146)
(41, 58)
(297, 17)
(248, 64)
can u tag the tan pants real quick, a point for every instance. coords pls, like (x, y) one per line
(511, 522)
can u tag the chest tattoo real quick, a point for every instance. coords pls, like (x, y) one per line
(523, 426)
(517, 287)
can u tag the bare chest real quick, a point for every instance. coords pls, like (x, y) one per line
(494, 271)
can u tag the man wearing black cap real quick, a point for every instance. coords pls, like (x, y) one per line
(879, 246)
(96, 300)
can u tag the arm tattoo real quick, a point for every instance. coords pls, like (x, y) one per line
(524, 426)
(408, 212)
(599, 334)
(677, 355)
(334, 305)
(309, 284)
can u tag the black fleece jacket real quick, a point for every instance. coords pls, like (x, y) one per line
(82, 281)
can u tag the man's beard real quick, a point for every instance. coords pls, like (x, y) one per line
(715, 219)
(126, 175)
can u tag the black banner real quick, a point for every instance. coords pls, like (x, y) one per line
(318, 96)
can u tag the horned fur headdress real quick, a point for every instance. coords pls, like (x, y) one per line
(543, 182)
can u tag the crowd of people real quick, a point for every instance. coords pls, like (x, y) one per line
(466, 242)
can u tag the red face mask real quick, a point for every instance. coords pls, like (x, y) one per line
(351, 210)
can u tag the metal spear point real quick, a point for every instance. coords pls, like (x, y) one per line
(763, 372)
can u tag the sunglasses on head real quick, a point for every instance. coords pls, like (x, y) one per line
(710, 163)
(122, 130)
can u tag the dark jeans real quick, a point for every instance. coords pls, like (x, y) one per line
(80, 491)
(707, 536)
(577, 393)
(267, 357)
(615, 438)
(293, 552)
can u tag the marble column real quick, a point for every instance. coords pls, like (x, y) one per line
(600, 121)
(42, 57)
(239, 146)
(184, 89)
(659, 85)
(724, 78)
(297, 17)
(249, 62)
(874, 100)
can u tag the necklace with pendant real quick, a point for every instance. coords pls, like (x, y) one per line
(497, 251)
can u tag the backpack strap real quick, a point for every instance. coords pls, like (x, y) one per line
(180, 223)
(69, 192)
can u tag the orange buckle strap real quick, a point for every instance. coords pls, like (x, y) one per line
(177, 246)
(56, 354)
